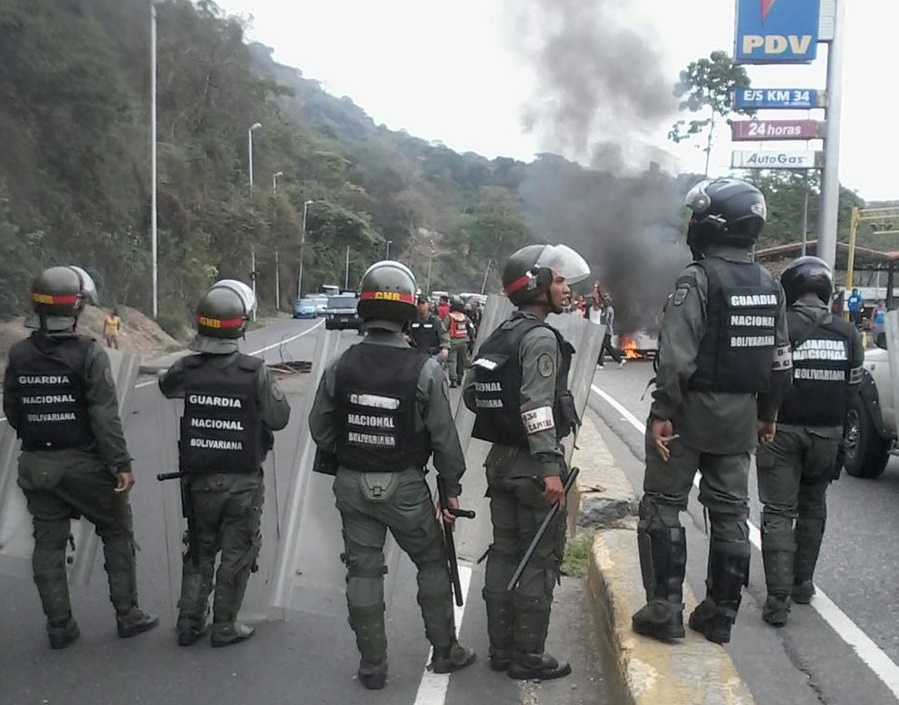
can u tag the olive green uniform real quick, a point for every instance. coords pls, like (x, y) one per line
(228, 513)
(794, 472)
(404, 507)
(457, 361)
(61, 485)
(716, 433)
(518, 621)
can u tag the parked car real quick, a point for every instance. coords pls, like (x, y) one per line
(870, 436)
(321, 304)
(341, 312)
(305, 308)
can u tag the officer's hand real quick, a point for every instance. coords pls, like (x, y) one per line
(553, 491)
(662, 434)
(444, 353)
(766, 431)
(453, 503)
(124, 480)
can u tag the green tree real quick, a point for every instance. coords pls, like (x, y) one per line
(706, 87)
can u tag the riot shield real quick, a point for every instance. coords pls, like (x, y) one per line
(310, 576)
(16, 541)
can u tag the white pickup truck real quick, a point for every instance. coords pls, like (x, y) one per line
(871, 420)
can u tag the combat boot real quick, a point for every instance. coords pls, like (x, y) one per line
(728, 573)
(226, 630)
(500, 618)
(121, 574)
(367, 622)
(663, 560)
(778, 557)
(53, 589)
(541, 667)
(63, 633)
(803, 591)
(529, 662)
(373, 676)
(193, 607)
(455, 658)
(231, 633)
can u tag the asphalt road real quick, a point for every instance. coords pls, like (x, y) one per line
(842, 649)
(304, 658)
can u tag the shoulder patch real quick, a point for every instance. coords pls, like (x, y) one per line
(680, 294)
(546, 366)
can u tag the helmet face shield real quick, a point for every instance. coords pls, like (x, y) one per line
(242, 290)
(88, 287)
(698, 199)
(564, 262)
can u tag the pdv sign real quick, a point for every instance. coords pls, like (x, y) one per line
(776, 31)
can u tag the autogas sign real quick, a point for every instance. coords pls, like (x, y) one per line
(754, 159)
(776, 98)
(777, 31)
(751, 130)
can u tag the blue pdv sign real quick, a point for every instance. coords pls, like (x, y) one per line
(777, 31)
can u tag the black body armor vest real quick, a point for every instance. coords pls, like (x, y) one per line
(737, 350)
(821, 366)
(498, 386)
(424, 335)
(376, 388)
(221, 430)
(51, 391)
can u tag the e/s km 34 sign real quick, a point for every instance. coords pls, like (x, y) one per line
(751, 130)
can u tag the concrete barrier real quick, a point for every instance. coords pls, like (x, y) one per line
(639, 670)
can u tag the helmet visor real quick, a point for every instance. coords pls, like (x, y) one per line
(88, 287)
(698, 199)
(242, 290)
(565, 262)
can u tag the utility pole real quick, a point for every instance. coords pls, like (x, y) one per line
(277, 282)
(346, 279)
(153, 194)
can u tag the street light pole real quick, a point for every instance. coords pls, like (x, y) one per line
(306, 205)
(387, 253)
(254, 126)
(153, 194)
(275, 182)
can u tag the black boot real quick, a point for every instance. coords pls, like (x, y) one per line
(663, 560)
(728, 573)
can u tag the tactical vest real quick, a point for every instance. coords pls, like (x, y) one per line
(376, 388)
(51, 391)
(821, 366)
(457, 328)
(425, 335)
(737, 350)
(498, 386)
(221, 430)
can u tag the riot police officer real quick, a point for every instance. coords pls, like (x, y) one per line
(231, 407)
(795, 470)
(724, 359)
(518, 388)
(383, 428)
(60, 396)
(427, 332)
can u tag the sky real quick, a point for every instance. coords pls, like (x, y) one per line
(485, 76)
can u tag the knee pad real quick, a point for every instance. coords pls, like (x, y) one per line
(655, 516)
(51, 535)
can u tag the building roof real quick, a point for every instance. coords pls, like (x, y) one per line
(865, 258)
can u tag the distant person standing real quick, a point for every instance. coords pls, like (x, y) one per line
(607, 320)
(111, 326)
(461, 333)
(443, 307)
(854, 302)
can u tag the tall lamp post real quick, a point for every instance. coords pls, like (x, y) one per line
(153, 194)
(275, 182)
(277, 261)
(387, 253)
(252, 128)
(306, 205)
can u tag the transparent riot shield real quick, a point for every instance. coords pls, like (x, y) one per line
(16, 541)
(310, 576)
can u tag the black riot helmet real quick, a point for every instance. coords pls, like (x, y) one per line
(225, 310)
(807, 275)
(528, 273)
(59, 295)
(724, 212)
(387, 292)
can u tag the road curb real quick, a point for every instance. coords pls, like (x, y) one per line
(639, 670)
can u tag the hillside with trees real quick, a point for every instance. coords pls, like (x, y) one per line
(75, 175)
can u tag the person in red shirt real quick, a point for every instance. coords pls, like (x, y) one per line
(443, 308)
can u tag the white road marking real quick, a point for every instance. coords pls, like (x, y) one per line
(433, 686)
(871, 654)
(148, 382)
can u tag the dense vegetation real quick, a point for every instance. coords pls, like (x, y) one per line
(75, 173)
